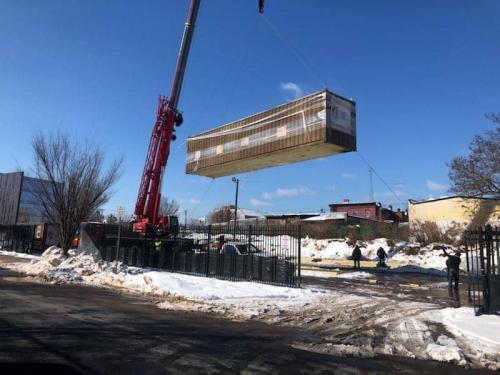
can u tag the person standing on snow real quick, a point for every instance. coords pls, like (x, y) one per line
(453, 265)
(356, 257)
(382, 255)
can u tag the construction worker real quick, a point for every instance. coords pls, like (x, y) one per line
(453, 265)
(157, 245)
(155, 256)
(356, 257)
(448, 269)
(220, 243)
(382, 255)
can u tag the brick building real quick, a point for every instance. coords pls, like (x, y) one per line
(369, 210)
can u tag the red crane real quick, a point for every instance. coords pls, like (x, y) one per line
(147, 219)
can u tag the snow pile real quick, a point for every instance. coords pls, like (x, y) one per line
(341, 249)
(208, 288)
(462, 321)
(430, 256)
(82, 267)
(413, 257)
(354, 275)
(445, 349)
(478, 335)
(54, 266)
(325, 249)
(18, 255)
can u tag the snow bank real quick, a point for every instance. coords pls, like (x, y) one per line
(340, 248)
(463, 321)
(209, 288)
(445, 349)
(430, 256)
(19, 255)
(354, 275)
(82, 267)
(427, 259)
(479, 336)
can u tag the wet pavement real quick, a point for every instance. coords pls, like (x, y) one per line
(414, 287)
(69, 329)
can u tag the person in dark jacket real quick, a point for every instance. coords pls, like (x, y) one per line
(382, 256)
(453, 266)
(356, 257)
(448, 269)
(220, 243)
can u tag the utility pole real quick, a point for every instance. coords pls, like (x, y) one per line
(372, 199)
(185, 219)
(237, 181)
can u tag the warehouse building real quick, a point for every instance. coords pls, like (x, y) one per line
(18, 204)
(455, 209)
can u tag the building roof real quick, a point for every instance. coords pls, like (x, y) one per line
(353, 204)
(412, 201)
(283, 216)
(328, 216)
(248, 212)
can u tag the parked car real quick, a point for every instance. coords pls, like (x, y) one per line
(240, 248)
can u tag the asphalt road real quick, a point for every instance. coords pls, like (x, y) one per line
(65, 329)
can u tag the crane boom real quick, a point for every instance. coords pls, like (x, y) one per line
(148, 200)
(146, 211)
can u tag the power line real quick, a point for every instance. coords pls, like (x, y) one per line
(380, 177)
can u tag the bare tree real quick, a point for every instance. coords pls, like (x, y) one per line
(111, 219)
(73, 183)
(168, 206)
(478, 174)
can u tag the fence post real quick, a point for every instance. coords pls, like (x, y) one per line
(488, 239)
(209, 239)
(118, 242)
(469, 272)
(250, 266)
(299, 259)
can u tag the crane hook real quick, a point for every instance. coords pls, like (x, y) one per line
(261, 6)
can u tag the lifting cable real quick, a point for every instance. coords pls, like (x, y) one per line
(243, 64)
(203, 197)
(295, 51)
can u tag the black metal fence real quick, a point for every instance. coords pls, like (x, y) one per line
(17, 237)
(483, 268)
(255, 253)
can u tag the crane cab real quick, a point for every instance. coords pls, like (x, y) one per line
(167, 226)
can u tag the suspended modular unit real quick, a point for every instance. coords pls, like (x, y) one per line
(317, 125)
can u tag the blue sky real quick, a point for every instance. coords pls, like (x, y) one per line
(423, 74)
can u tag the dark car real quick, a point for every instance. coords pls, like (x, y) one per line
(240, 249)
